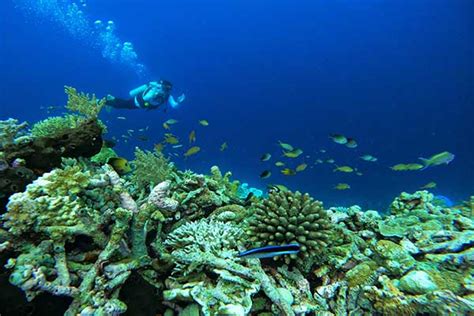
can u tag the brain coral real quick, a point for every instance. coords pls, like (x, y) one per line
(287, 217)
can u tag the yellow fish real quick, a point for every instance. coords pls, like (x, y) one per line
(288, 172)
(192, 137)
(277, 188)
(166, 126)
(159, 147)
(342, 186)
(279, 164)
(407, 167)
(430, 185)
(414, 166)
(120, 165)
(344, 169)
(295, 153)
(121, 117)
(171, 139)
(171, 122)
(192, 151)
(204, 122)
(301, 167)
(266, 157)
(285, 146)
(223, 146)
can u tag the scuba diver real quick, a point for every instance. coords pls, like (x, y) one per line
(148, 96)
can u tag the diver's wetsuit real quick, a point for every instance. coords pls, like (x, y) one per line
(149, 96)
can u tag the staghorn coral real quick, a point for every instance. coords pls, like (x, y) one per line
(287, 217)
(84, 104)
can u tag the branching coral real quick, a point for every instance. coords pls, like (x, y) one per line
(286, 218)
(151, 168)
(84, 104)
(54, 125)
(10, 130)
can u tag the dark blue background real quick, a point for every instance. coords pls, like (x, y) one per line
(396, 75)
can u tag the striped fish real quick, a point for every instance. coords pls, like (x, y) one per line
(270, 251)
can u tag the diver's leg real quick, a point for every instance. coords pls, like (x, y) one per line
(117, 103)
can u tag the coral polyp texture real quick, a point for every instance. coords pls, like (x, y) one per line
(291, 218)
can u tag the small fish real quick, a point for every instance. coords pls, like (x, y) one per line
(288, 172)
(171, 139)
(322, 151)
(192, 151)
(166, 126)
(318, 161)
(285, 146)
(342, 186)
(442, 158)
(346, 169)
(295, 153)
(223, 146)
(159, 147)
(120, 165)
(359, 173)
(141, 129)
(338, 139)
(270, 251)
(430, 185)
(330, 160)
(130, 131)
(279, 164)
(178, 146)
(369, 158)
(351, 143)
(192, 137)
(121, 118)
(266, 157)
(204, 122)
(171, 122)
(406, 167)
(301, 167)
(143, 138)
(265, 174)
(277, 188)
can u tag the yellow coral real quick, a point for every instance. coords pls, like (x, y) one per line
(85, 104)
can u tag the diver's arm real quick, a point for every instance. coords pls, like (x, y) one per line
(175, 103)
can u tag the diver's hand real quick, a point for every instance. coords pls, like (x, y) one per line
(181, 98)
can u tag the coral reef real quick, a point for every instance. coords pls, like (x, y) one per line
(286, 218)
(150, 169)
(54, 125)
(11, 131)
(84, 104)
(82, 231)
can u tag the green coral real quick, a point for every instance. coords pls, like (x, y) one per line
(84, 104)
(286, 218)
(104, 155)
(11, 131)
(55, 125)
(150, 169)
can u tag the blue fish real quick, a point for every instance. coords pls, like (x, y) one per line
(270, 251)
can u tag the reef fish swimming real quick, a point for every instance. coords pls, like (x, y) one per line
(270, 251)
(442, 158)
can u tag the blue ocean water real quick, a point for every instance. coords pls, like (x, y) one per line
(398, 76)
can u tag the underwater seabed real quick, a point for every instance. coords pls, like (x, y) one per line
(82, 238)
